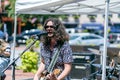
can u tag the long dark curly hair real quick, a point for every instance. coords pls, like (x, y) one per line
(60, 33)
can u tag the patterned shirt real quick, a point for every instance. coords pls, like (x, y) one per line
(65, 55)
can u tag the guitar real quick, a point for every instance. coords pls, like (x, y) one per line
(56, 72)
(52, 64)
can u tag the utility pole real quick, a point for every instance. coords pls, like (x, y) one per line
(0, 7)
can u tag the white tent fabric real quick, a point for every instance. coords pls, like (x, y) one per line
(65, 6)
(38, 6)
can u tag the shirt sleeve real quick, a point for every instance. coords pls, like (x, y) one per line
(67, 53)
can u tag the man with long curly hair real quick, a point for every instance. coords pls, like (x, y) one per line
(57, 36)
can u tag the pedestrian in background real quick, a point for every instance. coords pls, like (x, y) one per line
(5, 52)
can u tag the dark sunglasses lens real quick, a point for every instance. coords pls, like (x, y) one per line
(49, 26)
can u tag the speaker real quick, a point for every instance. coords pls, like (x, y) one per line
(81, 66)
(79, 71)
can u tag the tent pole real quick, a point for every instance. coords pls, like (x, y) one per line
(14, 43)
(105, 40)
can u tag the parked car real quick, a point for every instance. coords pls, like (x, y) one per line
(115, 45)
(21, 38)
(86, 39)
(114, 37)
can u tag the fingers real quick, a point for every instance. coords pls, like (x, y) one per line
(48, 76)
(51, 76)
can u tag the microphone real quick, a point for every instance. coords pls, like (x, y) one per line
(42, 33)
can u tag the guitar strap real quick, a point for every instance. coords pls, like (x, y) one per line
(54, 60)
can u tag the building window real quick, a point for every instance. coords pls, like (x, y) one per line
(92, 17)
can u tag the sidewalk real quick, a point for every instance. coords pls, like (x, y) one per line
(19, 75)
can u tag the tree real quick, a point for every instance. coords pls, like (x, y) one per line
(10, 9)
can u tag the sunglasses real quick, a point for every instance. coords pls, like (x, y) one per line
(49, 26)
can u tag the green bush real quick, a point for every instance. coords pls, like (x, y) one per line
(30, 59)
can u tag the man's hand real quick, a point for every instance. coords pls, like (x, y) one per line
(51, 76)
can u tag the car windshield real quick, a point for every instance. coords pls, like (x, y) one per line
(73, 37)
(31, 32)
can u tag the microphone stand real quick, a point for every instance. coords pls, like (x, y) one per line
(89, 65)
(13, 62)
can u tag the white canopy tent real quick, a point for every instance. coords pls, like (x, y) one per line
(69, 7)
(65, 6)
(38, 6)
